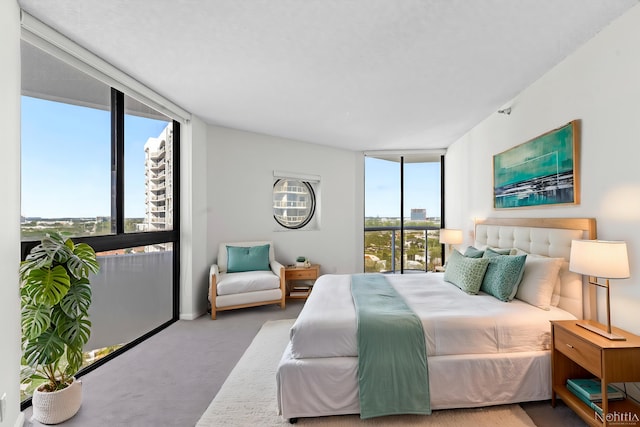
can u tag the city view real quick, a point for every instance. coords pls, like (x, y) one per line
(148, 173)
(382, 245)
(410, 183)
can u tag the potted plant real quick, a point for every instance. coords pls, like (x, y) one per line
(55, 295)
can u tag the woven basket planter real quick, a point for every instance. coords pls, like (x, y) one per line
(57, 406)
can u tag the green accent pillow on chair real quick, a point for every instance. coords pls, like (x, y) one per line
(253, 258)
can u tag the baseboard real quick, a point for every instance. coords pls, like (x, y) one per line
(191, 316)
(20, 420)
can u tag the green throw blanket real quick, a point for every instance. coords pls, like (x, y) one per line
(392, 356)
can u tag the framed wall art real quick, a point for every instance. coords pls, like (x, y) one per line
(539, 172)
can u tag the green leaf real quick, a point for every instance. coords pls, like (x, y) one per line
(44, 350)
(83, 261)
(52, 249)
(35, 320)
(48, 286)
(74, 361)
(78, 299)
(74, 331)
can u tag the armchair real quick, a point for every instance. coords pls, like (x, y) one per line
(246, 275)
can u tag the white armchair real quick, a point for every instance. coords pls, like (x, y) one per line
(246, 275)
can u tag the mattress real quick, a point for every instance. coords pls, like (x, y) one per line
(454, 322)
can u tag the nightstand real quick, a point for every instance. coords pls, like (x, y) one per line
(294, 275)
(580, 353)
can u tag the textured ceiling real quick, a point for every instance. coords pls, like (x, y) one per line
(357, 74)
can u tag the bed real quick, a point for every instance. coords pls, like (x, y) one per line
(481, 351)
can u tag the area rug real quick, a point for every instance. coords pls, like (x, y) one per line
(248, 396)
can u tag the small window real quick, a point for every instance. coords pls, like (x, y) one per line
(294, 203)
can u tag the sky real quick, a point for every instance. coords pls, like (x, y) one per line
(382, 188)
(66, 160)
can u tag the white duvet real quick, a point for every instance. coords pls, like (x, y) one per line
(453, 321)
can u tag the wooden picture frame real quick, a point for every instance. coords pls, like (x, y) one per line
(540, 172)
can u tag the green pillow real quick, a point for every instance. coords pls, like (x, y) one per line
(466, 273)
(503, 275)
(253, 258)
(472, 252)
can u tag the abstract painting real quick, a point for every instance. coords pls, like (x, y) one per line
(539, 172)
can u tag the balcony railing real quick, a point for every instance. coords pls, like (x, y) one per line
(131, 296)
(291, 204)
(422, 249)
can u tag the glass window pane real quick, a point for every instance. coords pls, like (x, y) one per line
(132, 294)
(382, 215)
(66, 149)
(420, 220)
(421, 213)
(148, 194)
(294, 203)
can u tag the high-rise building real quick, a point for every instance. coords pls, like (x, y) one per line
(159, 181)
(418, 214)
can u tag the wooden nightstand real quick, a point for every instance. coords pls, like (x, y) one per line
(579, 353)
(292, 275)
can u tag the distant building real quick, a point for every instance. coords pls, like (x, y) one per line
(159, 182)
(418, 214)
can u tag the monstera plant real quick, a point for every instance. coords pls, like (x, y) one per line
(55, 297)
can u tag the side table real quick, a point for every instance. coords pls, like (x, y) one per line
(293, 277)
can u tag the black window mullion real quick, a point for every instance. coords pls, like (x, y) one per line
(401, 214)
(442, 221)
(117, 161)
(176, 220)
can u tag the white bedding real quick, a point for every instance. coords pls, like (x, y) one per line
(454, 322)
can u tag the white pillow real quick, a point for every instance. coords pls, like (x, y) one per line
(564, 276)
(555, 295)
(538, 281)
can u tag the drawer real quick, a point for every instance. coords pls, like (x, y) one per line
(583, 353)
(301, 275)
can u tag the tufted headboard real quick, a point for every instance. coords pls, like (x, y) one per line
(549, 237)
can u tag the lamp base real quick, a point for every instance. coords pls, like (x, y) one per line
(602, 332)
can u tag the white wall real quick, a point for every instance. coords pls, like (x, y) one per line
(599, 85)
(10, 212)
(194, 263)
(240, 181)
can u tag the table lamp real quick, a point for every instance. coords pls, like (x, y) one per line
(450, 236)
(600, 259)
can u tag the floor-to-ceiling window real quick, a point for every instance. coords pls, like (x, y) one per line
(101, 167)
(403, 207)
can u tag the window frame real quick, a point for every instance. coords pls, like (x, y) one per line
(308, 185)
(402, 158)
(119, 239)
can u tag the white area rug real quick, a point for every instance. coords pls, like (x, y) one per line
(248, 396)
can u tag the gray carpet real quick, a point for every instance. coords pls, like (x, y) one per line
(171, 378)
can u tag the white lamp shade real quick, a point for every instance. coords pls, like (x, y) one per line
(599, 258)
(450, 236)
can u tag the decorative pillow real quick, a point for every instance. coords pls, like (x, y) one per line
(555, 294)
(253, 258)
(503, 275)
(503, 251)
(472, 252)
(539, 279)
(564, 276)
(466, 273)
(493, 252)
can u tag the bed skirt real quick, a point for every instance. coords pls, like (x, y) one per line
(329, 386)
